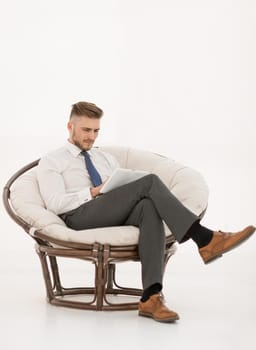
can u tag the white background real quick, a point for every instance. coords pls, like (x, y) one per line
(173, 76)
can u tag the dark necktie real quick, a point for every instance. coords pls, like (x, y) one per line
(92, 171)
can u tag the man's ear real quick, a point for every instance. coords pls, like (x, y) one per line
(70, 126)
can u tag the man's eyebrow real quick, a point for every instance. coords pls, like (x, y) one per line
(89, 129)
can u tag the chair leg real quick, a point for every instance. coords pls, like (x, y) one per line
(100, 281)
(56, 275)
(111, 269)
(47, 277)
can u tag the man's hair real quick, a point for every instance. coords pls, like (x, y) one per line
(86, 109)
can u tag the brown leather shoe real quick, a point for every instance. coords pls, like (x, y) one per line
(154, 307)
(222, 242)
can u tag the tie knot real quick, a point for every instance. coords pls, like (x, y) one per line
(85, 154)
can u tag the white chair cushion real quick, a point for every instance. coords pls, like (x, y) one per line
(185, 183)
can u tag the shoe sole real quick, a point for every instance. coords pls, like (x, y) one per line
(242, 240)
(166, 320)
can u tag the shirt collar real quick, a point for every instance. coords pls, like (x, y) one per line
(73, 149)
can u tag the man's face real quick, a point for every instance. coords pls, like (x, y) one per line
(83, 131)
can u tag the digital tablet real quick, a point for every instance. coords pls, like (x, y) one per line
(120, 177)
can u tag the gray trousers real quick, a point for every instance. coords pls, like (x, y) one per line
(144, 203)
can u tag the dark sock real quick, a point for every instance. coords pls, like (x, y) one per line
(200, 234)
(153, 289)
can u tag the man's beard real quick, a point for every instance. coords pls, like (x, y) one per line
(82, 146)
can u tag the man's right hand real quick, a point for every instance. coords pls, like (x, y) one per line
(95, 191)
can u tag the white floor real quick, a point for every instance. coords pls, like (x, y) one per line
(216, 304)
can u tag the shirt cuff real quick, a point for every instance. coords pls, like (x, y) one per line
(84, 196)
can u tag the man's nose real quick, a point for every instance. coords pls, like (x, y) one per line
(92, 135)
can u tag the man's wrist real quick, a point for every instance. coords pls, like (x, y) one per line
(94, 192)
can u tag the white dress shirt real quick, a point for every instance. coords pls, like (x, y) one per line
(63, 179)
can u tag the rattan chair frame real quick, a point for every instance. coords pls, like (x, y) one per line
(103, 256)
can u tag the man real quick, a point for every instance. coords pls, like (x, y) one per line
(70, 181)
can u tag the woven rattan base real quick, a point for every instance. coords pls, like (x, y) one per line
(98, 297)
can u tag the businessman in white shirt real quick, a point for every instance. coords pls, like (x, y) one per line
(70, 180)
